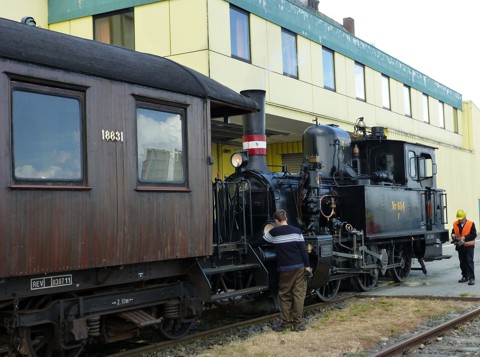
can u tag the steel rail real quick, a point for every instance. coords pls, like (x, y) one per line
(412, 343)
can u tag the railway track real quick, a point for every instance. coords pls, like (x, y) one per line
(440, 340)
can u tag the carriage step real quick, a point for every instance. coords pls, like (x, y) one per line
(239, 292)
(140, 318)
(229, 268)
(229, 247)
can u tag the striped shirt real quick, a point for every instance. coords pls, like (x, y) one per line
(290, 247)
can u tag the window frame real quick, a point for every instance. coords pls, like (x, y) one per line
(407, 98)
(236, 37)
(360, 82)
(126, 41)
(146, 185)
(455, 121)
(441, 114)
(56, 90)
(386, 93)
(331, 79)
(426, 108)
(289, 53)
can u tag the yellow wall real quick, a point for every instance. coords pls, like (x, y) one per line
(16, 10)
(222, 153)
(152, 32)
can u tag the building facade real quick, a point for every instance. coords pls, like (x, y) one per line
(311, 67)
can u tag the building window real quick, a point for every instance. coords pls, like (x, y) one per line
(386, 92)
(239, 34)
(441, 115)
(455, 120)
(407, 101)
(328, 69)
(360, 81)
(289, 53)
(160, 145)
(47, 134)
(115, 28)
(426, 110)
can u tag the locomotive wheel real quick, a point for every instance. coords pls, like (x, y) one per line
(402, 255)
(175, 328)
(329, 290)
(368, 280)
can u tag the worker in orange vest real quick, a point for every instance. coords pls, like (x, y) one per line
(463, 237)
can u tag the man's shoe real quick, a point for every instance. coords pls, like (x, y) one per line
(299, 328)
(463, 280)
(471, 282)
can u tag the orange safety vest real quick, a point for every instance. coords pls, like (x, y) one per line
(465, 232)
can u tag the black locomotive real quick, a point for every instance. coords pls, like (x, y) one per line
(366, 207)
(106, 208)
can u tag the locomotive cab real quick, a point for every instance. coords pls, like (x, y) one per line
(379, 161)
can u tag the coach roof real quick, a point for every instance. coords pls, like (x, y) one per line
(49, 48)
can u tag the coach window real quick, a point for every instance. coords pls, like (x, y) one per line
(328, 69)
(240, 34)
(47, 135)
(161, 145)
(115, 28)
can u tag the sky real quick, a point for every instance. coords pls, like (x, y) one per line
(439, 38)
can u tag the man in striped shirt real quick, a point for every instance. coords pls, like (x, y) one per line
(292, 265)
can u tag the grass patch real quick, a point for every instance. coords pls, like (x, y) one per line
(349, 331)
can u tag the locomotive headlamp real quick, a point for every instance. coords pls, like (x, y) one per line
(239, 159)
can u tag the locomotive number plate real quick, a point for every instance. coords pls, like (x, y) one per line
(51, 282)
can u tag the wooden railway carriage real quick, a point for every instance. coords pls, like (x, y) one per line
(104, 176)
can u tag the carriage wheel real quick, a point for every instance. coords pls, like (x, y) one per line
(175, 328)
(329, 290)
(42, 340)
(402, 255)
(174, 325)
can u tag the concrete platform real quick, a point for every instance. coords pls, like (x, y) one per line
(441, 279)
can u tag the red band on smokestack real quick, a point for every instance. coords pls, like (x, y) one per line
(255, 144)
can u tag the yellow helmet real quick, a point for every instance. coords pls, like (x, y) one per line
(461, 214)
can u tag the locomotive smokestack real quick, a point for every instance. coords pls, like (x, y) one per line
(254, 138)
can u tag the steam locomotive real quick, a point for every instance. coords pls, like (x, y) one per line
(366, 207)
(106, 176)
